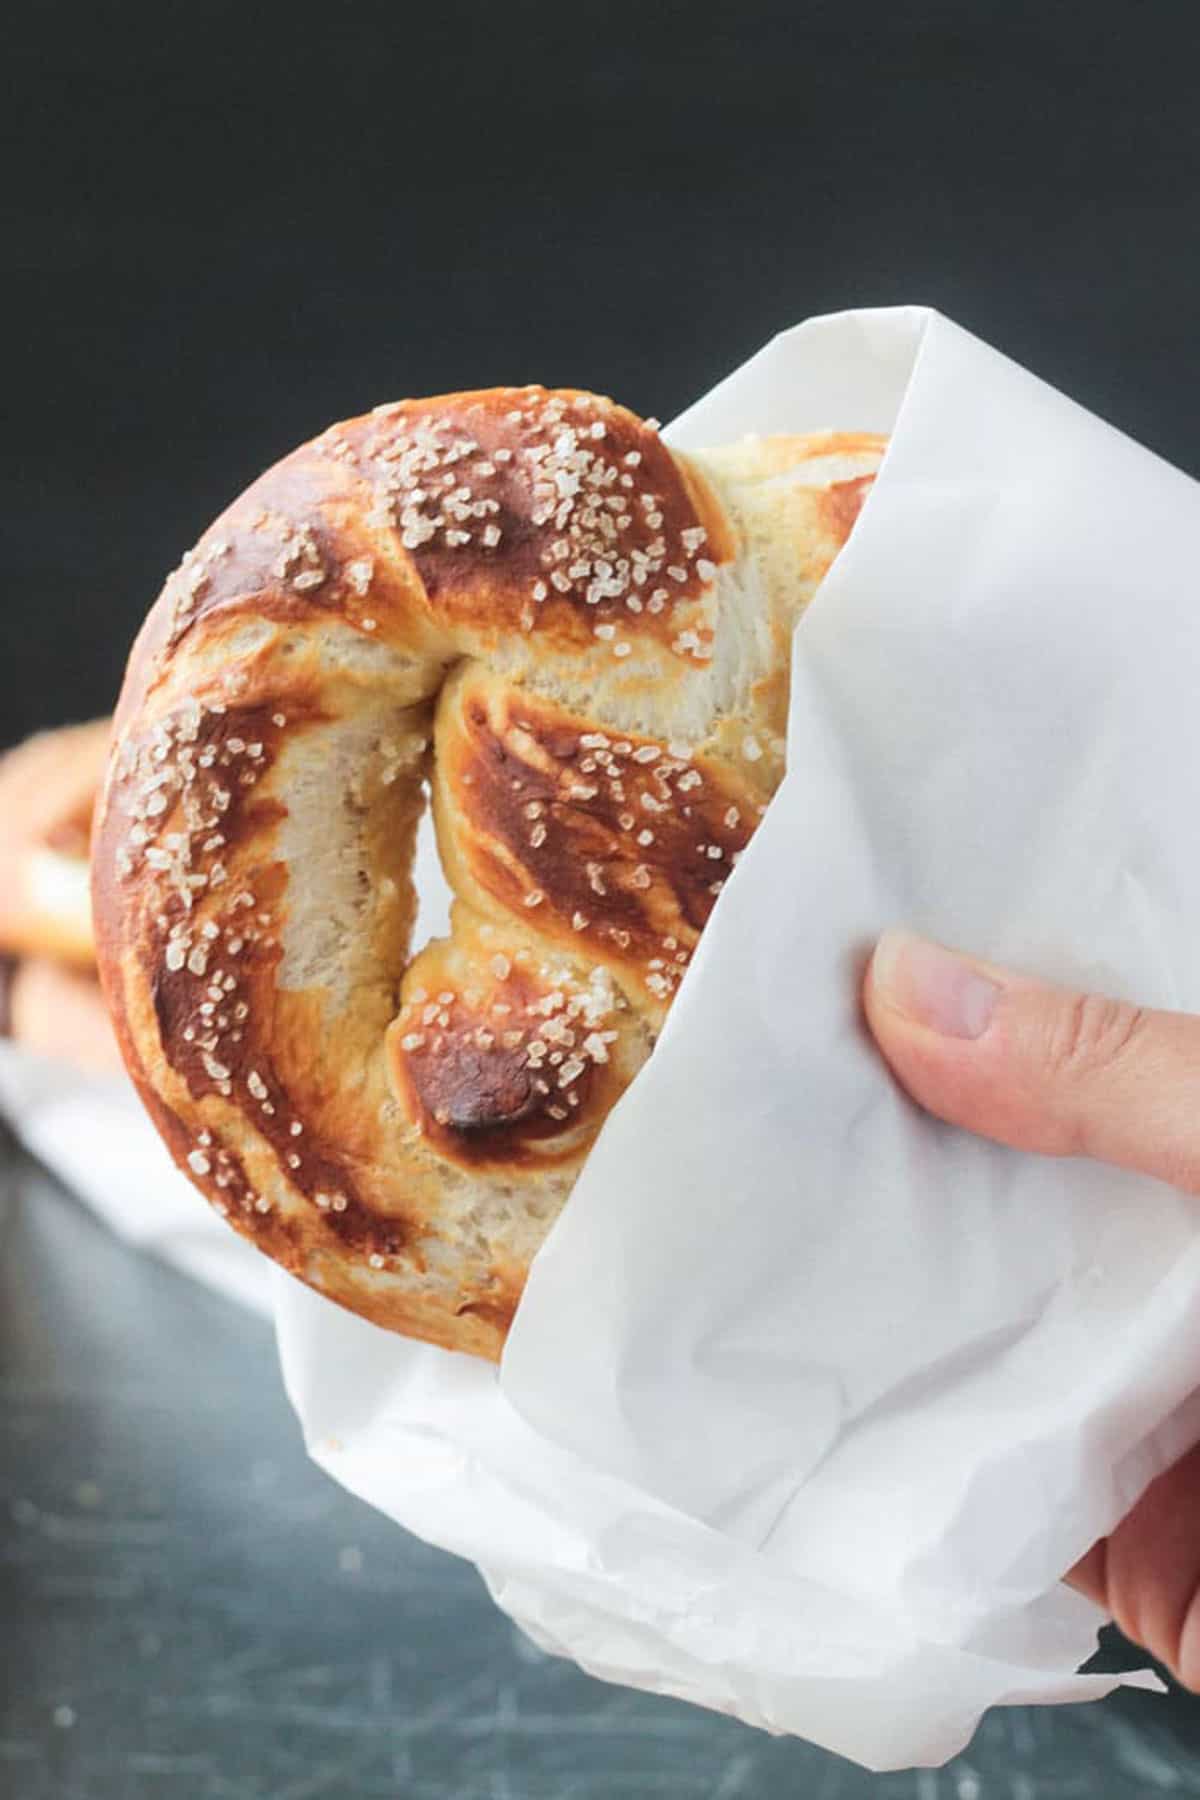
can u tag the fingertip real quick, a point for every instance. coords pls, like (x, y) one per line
(936, 1017)
(878, 985)
(932, 987)
(1188, 1659)
(1090, 1574)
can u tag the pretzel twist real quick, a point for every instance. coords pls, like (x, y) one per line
(579, 641)
(47, 793)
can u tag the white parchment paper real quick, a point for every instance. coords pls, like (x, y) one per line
(811, 1400)
(91, 1130)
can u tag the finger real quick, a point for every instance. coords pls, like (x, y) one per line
(1090, 1574)
(1037, 1066)
(1147, 1573)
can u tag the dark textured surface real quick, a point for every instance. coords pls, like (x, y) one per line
(230, 224)
(192, 1611)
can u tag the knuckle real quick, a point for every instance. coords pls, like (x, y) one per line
(1091, 1033)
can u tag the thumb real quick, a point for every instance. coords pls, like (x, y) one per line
(1037, 1066)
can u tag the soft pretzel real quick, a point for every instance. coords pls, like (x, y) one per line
(48, 789)
(49, 998)
(57, 1011)
(580, 641)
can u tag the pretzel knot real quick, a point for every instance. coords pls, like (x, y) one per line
(47, 793)
(522, 602)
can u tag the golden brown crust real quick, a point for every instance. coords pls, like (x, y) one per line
(592, 634)
(617, 847)
(503, 1059)
(51, 1002)
(48, 788)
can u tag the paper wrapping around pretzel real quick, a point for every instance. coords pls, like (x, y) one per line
(811, 1399)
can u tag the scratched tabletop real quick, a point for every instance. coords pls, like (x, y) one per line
(189, 1610)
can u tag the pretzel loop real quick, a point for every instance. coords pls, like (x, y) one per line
(579, 643)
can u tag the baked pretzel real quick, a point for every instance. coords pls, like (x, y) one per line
(580, 641)
(49, 999)
(48, 789)
(57, 1011)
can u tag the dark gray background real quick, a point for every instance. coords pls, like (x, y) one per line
(189, 1610)
(231, 223)
(226, 225)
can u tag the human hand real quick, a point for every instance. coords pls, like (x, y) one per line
(1066, 1074)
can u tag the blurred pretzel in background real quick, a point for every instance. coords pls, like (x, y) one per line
(49, 997)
